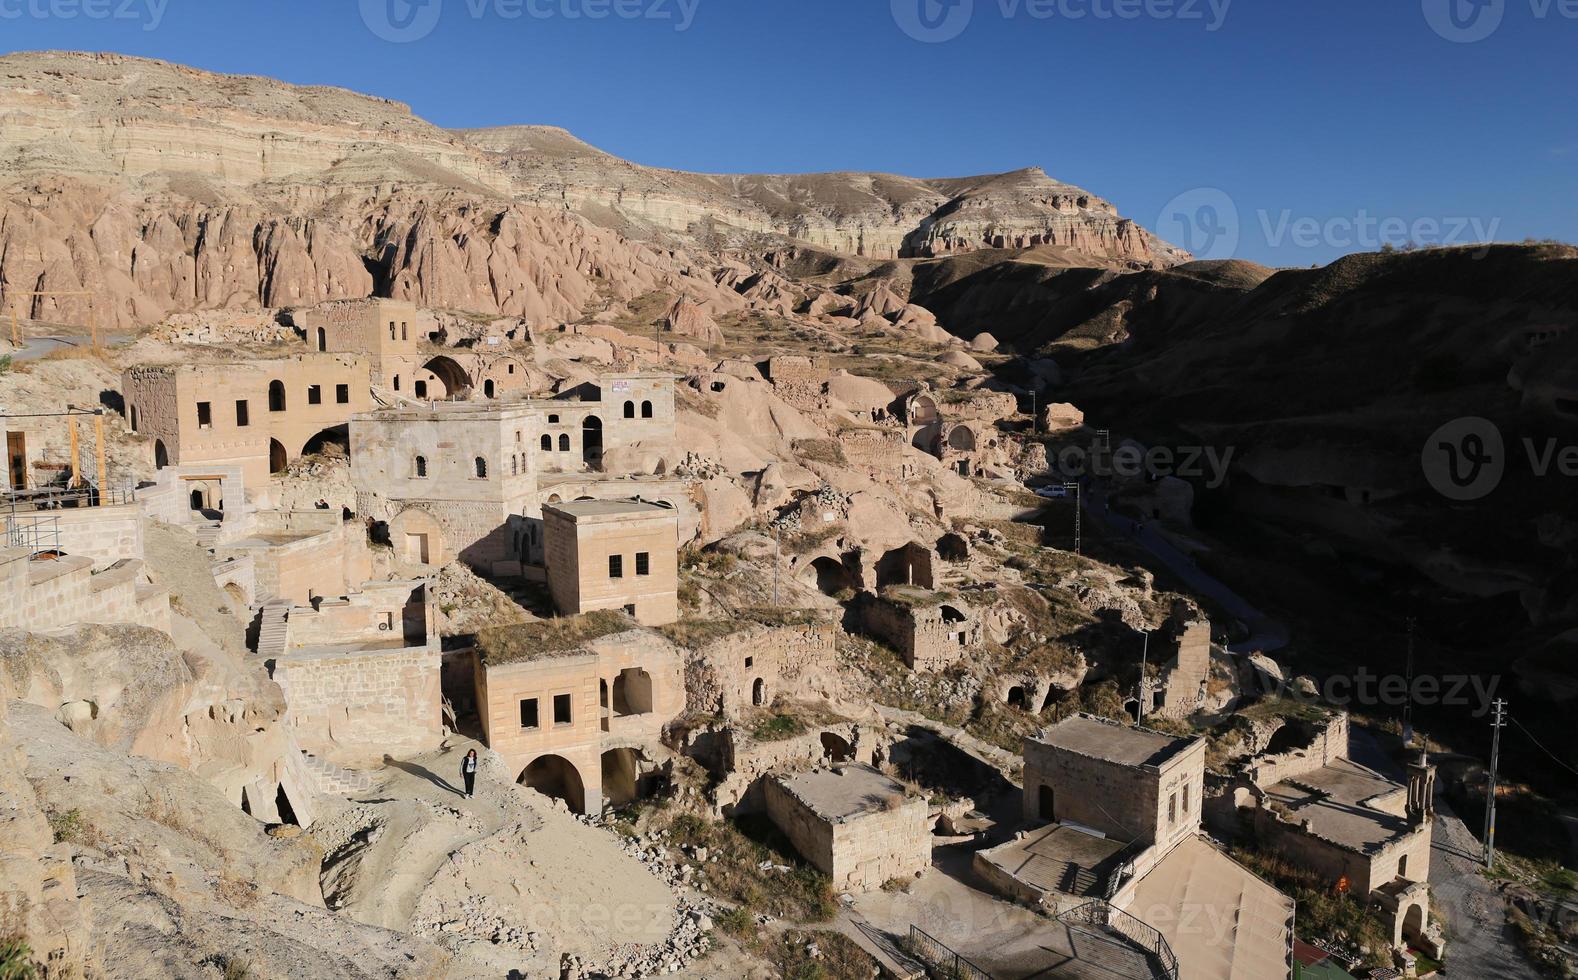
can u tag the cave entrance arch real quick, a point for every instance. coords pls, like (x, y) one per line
(277, 458)
(621, 773)
(835, 748)
(448, 372)
(557, 777)
(832, 578)
(335, 435)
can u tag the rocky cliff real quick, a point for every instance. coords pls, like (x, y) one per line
(158, 188)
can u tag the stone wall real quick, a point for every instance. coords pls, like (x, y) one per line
(352, 706)
(54, 594)
(581, 541)
(1365, 870)
(929, 638)
(104, 534)
(1330, 743)
(722, 676)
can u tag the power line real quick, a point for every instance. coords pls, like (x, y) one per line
(1554, 757)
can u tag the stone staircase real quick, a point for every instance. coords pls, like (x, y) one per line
(273, 630)
(207, 534)
(330, 780)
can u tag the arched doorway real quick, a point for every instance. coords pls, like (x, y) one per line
(449, 374)
(909, 565)
(276, 396)
(621, 776)
(953, 548)
(487, 388)
(1017, 698)
(592, 442)
(832, 578)
(277, 460)
(1045, 807)
(323, 339)
(556, 776)
(759, 692)
(161, 455)
(338, 436)
(835, 748)
(962, 439)
(632, 692)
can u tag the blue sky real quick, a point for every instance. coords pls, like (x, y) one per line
(1292, 129)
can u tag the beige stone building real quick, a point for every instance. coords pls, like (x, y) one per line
(408, 353)
(468, 480)
(360, 672)
(44, 592)
(578, 708)
(1113, 838)
(852, 822)
(611, 554)
(258, 415)
(1307, 801)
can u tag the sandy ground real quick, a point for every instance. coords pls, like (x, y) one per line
(506, 880)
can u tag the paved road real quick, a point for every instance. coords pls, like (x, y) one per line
(1266, 635)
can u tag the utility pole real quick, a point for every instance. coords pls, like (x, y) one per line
(1408, 705)
(1035, 420)
(1497, 723)
(1079, 515)
(778, 558)
(98, 439)
(1145, 678)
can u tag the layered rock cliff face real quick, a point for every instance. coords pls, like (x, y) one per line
(160, 189)
(877, 215)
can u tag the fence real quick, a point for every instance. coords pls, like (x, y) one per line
(940, 961)
(1100, 913)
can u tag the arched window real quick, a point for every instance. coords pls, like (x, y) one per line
(564, 444)
(276, 396)
(646, 410)
(482, 468)
(515, 466)
(547, 444)
(397, 382)
(630, 410)
(421, 467)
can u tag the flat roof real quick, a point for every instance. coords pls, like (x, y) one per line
(1099, 738)
(1339, 802)
(591, 510)
(837, 795)
(1059, 858)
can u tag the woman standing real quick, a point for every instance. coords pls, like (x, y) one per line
(468, 772)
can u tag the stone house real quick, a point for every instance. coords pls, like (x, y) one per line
(612, 554)
(931, 630)
(753, 663)
(578, 708)
(259, 415)
(853, 823)
(1304, 799)
(406, 349)
(469, 479)
(360, 672)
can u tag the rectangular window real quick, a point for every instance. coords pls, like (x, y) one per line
(616, 566)
(1172, 809)
(243, 418)
(314, 395)
(205, 415)
(643, 563)
(391, 330)
(529, 713)
(403, 334)
(342, 394)
(561, 709)
(750, 662)
(1186, 801)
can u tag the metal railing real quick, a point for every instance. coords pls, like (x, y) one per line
(1103, 914)
(63, 498)
(39, 535)
(940, 961)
